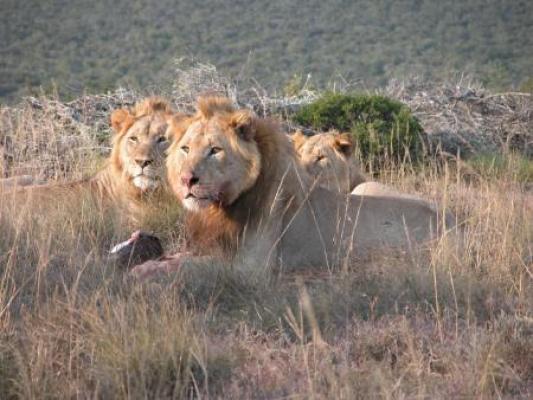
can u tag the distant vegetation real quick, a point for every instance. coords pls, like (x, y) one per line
(93, 46)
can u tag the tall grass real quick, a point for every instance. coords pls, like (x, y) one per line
(439, 324)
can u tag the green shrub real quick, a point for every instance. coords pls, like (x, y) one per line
(382, 127)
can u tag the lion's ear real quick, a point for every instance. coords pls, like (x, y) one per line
(344, 144)
(243, 123)
(120, 119)
(298, 139)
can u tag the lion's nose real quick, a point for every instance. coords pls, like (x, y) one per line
(189, 180)
(143, 162)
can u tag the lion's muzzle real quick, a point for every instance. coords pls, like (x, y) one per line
(189, 180)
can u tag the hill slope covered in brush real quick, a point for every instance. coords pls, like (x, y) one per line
(96, 45)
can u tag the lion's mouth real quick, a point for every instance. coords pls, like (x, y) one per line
(146, 176)
(192, 196)
(204, 195)
(196, 202)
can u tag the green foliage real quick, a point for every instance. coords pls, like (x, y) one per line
(382, 127)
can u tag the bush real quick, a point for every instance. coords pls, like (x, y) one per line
(383, 128)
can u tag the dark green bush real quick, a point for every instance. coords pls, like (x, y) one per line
(382, 127)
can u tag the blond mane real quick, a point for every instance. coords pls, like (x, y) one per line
(220, 227)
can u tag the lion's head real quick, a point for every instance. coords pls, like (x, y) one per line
(215, 159)
(226, 166)
(140, 142)
(328, 158)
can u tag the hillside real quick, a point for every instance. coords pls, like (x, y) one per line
(98, 45)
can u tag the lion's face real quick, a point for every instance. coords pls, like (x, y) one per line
(139, 149)
(142, 152)
(214, 161)
(326, 158)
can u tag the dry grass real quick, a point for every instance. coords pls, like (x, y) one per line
(434, 326)
(431, 325)
(48, 139)
(461, 116)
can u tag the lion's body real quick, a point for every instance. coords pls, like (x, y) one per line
(329, 159)
(331, 228)
(249, 198)
(379, 189)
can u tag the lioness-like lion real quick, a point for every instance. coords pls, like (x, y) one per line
(329, 158)
(248, 199)
(134, 176)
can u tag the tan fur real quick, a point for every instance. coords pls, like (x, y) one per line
(141, 136)
(329, 159)
(247, 197)
(379, 189)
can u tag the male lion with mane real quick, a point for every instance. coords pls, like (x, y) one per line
(133, 178)
(135, 174)
(248, 200)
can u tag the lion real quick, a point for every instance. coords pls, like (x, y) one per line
(247, 200)
(329, 158)
(135, 174)
(133, 178)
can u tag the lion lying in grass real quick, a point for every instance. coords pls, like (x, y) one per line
(248, 200)
(134, 177)
(328, 158)
(135, 174)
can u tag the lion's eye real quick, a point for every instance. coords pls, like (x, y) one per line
(161, 139)
(133, 139)
(214, 150)
(185, 149)
(320, 158)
